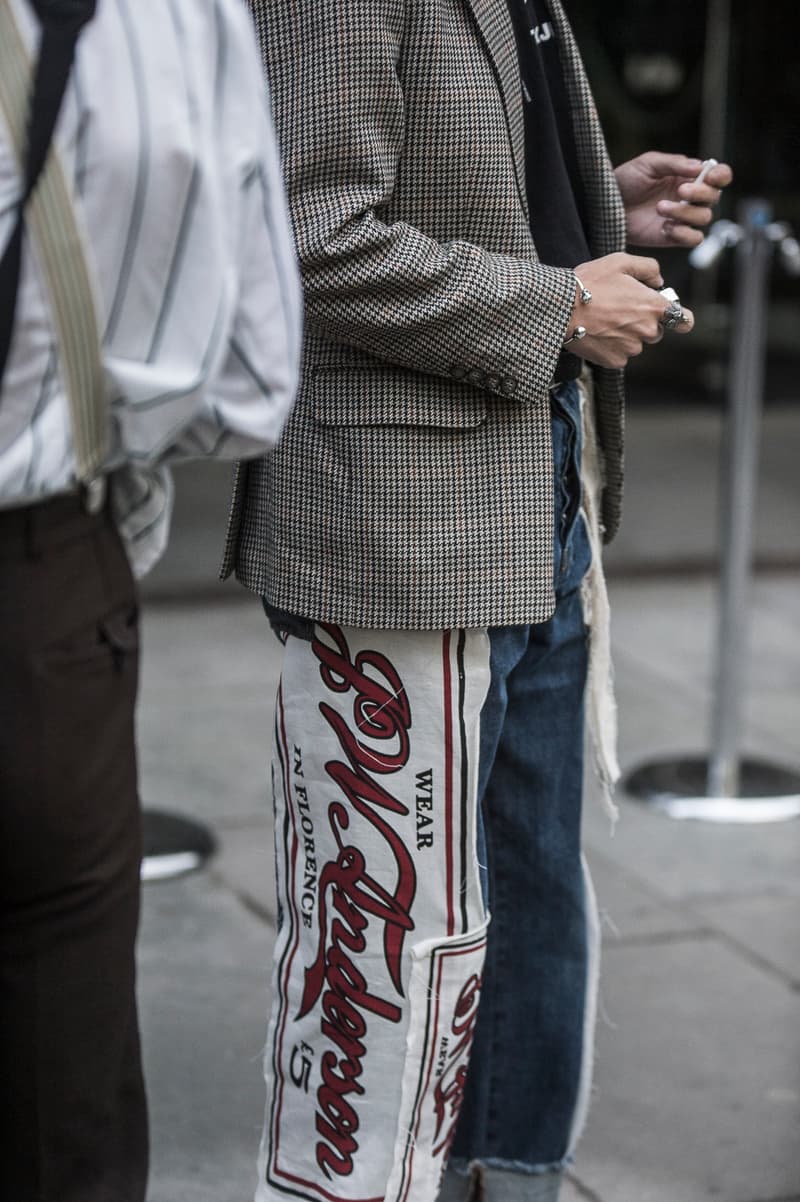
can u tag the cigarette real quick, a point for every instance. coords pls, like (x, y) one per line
(704, 170)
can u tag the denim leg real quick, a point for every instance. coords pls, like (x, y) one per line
(527, 1061)
(527, 1057)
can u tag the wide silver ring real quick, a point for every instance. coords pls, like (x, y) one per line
(673, 316)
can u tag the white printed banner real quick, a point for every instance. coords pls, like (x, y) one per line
(382, 926)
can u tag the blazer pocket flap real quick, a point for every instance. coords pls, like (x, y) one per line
(393, 397)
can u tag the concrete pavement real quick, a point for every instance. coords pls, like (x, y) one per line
(697, 1091)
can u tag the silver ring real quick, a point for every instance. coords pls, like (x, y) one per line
(673, 316)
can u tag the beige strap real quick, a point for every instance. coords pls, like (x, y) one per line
(51, 218)
(601, 706)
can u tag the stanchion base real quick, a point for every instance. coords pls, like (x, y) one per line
(677, 788)
(173, 845)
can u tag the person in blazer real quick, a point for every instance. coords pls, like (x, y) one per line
(470, 306)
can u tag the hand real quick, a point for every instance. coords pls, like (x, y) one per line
(662, 206)
(625, 310)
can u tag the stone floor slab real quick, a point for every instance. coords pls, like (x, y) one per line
(672, 490)
(209, 678)
(245, 864)
(205, 759)
(698, 1079)
(573, 1191)
(210, 647)
(630, 911)
(664, 637)
(204, 967)
(768, 927)
(690, 861)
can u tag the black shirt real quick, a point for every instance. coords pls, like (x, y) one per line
(555, 194)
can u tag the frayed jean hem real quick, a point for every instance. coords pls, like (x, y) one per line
(465, 1167)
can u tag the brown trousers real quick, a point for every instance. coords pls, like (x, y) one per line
(74, 1124)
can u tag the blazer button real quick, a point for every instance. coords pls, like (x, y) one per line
(509, 385)
(494, 382)
(476, 376)
(458, 371)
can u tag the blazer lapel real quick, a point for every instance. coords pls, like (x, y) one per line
(494, 23)
(606, 213)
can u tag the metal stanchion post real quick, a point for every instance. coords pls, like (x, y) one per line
(725, 788)
(739, 494)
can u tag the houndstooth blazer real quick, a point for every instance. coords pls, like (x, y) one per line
(412, 487)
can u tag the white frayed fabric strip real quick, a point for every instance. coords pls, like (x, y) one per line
(593, 951)
(382, 925)
(601, 705)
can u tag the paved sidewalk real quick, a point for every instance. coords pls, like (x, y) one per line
(698, 1050)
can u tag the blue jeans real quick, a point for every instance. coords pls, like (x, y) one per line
(527, 1065)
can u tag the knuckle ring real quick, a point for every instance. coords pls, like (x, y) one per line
(673, 316)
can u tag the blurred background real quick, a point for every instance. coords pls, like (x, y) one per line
(698, 1052)
(715, 78)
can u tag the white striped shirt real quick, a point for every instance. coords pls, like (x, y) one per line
(166, 138)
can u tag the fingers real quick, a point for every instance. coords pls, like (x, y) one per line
(675, 317)
(686, 325)
(642, 268)
(719, 177)
(702, 195)
(664, 165)
(708, 185)
(627, 310)
(685, 219)
(698, 194)
(680, 213)
(682, 235)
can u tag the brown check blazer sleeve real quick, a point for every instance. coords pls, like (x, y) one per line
(412, 486)
(379, 273)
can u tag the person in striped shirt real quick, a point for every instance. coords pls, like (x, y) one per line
(165, 142)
